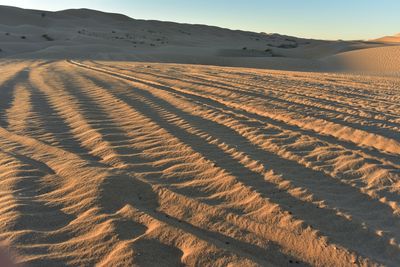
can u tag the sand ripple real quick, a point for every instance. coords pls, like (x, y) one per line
(123, 164)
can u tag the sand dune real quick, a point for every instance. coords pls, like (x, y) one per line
(375, 61)
(120, 163)
(90, 34)
(389, 39)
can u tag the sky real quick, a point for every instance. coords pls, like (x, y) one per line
(320, 19)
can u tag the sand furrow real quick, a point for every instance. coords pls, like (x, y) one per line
(257, 89)
(355, 88)
(382, 158)
(250, 137)
(358, 121)
(34, 220)
(78, 198)
(121, 143)
(126, 112)
(321, 126)
(125, 164)
(154, 108)
(259, 84)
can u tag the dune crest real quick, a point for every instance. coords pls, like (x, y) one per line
(389, 39)
(90, 34)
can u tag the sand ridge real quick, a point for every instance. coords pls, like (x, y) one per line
(89, 34)
(120, 163)
(389, 39)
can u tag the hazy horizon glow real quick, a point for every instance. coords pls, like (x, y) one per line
(341, 19)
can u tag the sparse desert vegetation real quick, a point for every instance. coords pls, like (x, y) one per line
(47, 37)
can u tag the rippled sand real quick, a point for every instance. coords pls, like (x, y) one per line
(122, 164)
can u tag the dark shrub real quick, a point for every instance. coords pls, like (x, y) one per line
(48, 38)
(288, 46)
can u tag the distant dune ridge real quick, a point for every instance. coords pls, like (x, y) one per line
(84, 33)
(389, 39)
(112, 156)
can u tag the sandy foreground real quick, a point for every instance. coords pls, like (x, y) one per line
(124, 164)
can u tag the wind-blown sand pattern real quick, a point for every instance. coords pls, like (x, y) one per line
(123, 164)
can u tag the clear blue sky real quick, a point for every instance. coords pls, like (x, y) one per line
(325, 19)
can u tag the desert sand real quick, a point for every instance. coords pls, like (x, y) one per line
(116, 155)
(389, 39)
(88, 34)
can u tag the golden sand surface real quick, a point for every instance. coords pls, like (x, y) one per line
(145, 164)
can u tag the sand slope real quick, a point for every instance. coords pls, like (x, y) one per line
(133, 164)
(389, 39)
(376, 61)
(91, 34)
